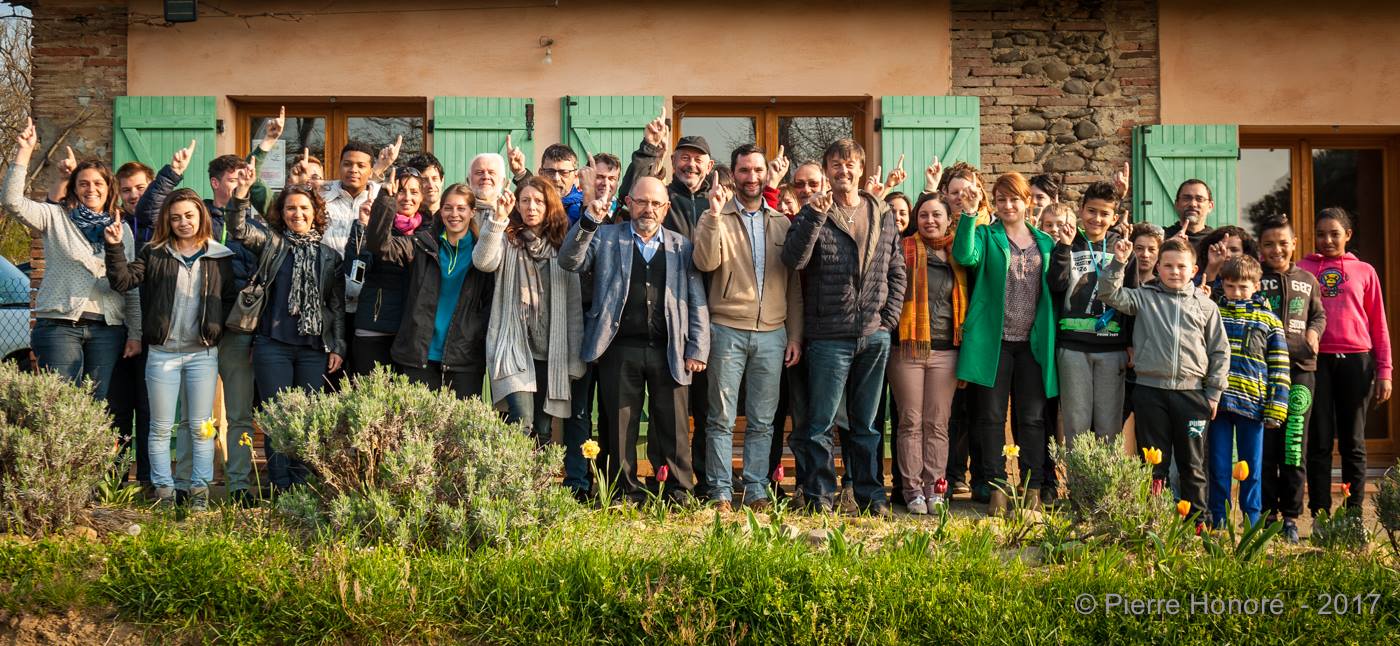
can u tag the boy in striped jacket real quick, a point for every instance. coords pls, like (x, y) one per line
(1257, 395)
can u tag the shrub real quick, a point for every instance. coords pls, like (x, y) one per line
(56, 445)
(397, 462)
(1388, 504)
(1111, 491)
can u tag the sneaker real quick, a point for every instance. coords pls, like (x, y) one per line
(759, 505)
(917, 506)
(199, 499)
(182, 497)
(847, 501)
(1290, 531)
(935, 501)
(165, 497)
(961, 489)
(878, 510)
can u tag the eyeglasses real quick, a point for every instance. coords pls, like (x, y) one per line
(1198, 199)
(638, 205)
(558, 172)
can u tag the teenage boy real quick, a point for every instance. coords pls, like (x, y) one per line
(1295, 297)
(1181, 356)
(1256, 395)
(1092, 338)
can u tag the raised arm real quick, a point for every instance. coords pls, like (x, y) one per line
(36, 216)
(650, 157)
(59, 190)
(490, 247)
(253, 237)
(805, 231)
(709, 245)
(123, 276)
(1111, 290)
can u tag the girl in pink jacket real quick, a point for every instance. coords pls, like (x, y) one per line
(1353, 366)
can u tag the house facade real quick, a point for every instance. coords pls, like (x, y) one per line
(1281, 106)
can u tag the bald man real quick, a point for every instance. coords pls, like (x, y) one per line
(648, 332)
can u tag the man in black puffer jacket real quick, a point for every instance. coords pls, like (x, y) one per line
(853, 292)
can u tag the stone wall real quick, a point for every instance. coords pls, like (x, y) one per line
(79, 64)
(1061, 83)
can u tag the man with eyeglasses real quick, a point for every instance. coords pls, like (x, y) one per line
(649, 337)
(1193, 205)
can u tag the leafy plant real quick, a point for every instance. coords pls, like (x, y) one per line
(1388, 505)
(1113, 493)
(56, 446)
(1341, 529)
(114, 490)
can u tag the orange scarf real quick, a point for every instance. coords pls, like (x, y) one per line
(915, 328)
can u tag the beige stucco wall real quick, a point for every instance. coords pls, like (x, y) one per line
(751, 49)
(1280, 62)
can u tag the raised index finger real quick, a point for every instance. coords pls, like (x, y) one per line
(900, 163)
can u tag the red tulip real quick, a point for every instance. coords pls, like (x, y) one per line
(778, 473)
(1346, 490)
(941, 486)
(662, 473)
(1157, 485)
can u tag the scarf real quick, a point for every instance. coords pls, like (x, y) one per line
(92, 224)
(406, 224)
(304, 298)
(537, 250)
(915, 328)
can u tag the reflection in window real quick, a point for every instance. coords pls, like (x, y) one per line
(379, 132)
(724, 134)
(804, 138)
(1266, 184)
(301, 133)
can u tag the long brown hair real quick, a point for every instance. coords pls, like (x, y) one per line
(556, 220)
(318, 208)
(465, 190)
(109, 206)
(165, 232)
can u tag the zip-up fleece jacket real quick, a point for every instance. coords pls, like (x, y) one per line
(1259, 377)
(1179, 341)
(1351, 296)
(1086, 324)
(1299, 306)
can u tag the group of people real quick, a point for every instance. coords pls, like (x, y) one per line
(694, 288)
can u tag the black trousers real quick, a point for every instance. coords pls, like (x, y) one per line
(1281, 482)
(1052, 432)
(1175, 421)
(368, 351)
(131, 410)
(464, 384)
(792, 403)
(964, 449)
(1018, 376)
(1340, 407)
(626, 373)
(699, 408)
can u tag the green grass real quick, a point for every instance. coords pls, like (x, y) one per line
(621, 579)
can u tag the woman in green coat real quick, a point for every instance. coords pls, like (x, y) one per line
(1009, 335)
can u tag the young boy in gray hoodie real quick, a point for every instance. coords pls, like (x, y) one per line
(1182, 360)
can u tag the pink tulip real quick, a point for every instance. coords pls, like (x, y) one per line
(662, 473)
(778, 473)
(941, 486)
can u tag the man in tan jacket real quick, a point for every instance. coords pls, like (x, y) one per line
(756, 315)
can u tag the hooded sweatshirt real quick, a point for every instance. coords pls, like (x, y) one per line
(1259, 376)
(1351, 297)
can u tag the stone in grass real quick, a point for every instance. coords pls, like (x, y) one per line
(789, 532)
(819, 536)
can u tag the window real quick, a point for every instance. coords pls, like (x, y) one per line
(802, 129)
(321, 127)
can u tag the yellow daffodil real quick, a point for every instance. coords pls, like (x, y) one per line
(1183, 508)
(590, 449)
(1153, 456)
(245, 440)
(1241, 470)
(207, 428)
(1011, 451)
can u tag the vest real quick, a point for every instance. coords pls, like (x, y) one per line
(644, 311)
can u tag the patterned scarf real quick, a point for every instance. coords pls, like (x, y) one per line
(304, 298)
(91, 223)
(406, 224)
(915, 327)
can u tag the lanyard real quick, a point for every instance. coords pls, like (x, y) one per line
(452, 260)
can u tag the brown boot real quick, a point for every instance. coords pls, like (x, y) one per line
(997, 506)
(1032, 499)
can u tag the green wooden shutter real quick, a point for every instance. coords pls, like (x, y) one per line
(607, 124)
(924, 127)
(466, 126)
(149, 129)
(1166, 156)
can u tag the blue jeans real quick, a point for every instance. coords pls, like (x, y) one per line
(527, 408)
(281, 366)
(172, 377)
(1228, 432)
(77, 351)
(855, 368)
(737, 355)
(236, 371)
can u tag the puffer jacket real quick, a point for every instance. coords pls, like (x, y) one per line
(841, 298)
(385, 283)
(156, 271)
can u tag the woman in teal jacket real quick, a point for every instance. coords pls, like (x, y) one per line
(1009, 335)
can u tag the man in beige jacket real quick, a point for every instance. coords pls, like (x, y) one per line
(756, 315)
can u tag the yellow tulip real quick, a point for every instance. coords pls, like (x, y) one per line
(206, 428)
(1153, 456)
(1010, 451)
(1183, 507)
(1241, 470)
(590, 449)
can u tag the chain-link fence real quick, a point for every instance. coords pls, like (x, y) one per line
(14, 314)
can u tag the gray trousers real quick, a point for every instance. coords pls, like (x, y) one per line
(1091, 392)
(236, 371)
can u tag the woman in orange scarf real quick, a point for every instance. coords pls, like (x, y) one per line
(923, 368)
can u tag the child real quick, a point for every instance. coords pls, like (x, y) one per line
(1181, 356)
(1354, 355)
(1092, 338)
(1257, 395)
(1147, 242)
(1294, 296)
(1053, 215)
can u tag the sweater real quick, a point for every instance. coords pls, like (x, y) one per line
(1351, 296)
(1295, 297)
(74, 273)
(1085, 323)
(1259, 367)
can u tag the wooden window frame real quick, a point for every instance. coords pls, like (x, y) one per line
(766, 111)
(336, 114)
